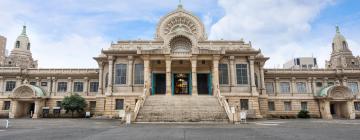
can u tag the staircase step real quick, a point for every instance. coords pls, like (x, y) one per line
(181, 109)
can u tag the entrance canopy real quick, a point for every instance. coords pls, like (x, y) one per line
(28, 91)
(336, 92)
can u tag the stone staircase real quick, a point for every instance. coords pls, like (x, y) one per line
(182, 109)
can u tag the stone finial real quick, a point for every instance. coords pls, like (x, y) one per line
(180, 6)
(23, 31)
(337, 29)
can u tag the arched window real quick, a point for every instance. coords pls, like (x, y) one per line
(180, 45)
(17, 44)
(344, 44)
(28, 46)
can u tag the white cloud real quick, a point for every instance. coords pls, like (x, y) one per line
(279, 27)
(68, 33)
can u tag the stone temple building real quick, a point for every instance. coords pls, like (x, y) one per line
(182, 76)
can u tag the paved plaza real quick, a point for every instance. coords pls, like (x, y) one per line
(87, 129)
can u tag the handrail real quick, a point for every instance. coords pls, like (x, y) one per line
(139, 104)
(225, 104)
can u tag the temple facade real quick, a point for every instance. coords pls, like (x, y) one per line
(182, 76)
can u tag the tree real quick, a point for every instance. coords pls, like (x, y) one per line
(74, 103)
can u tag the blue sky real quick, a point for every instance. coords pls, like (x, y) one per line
(68, 33)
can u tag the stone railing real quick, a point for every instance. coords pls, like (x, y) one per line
(10, 69)
(59, 71)
(224, 104)
(139, 104)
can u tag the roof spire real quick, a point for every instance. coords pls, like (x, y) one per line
(337, 29)
(180, 4)
(23, 30)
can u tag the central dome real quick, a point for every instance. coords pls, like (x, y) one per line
(180, 21)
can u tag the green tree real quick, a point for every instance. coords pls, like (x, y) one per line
(74, 103)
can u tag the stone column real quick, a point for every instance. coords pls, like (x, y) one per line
(86, 86)
(18, 81)
(326, 82)
(262, 77)
(215, 74)
(325, 109)
(308, 86)
(344, 81)
(110, 77)
(277, 86)
(38, 81)
(252, 76)
(147, 74)
(130, 70)
(293, 86)
(37, 109)
(232, 72)
(13, 110)
(2, 85)
(69, 85)
(53, 87)
(101, 73)
(168, 75)
(351, 109)
(313, 86)
(194, 76)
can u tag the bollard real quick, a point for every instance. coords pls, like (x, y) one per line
(7, 124)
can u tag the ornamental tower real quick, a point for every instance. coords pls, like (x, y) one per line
(21, 55)
(341, 55)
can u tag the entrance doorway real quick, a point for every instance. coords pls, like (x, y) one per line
(339, 110)
(159, 84)
(181, 84)
(204, 84)
(25, 109)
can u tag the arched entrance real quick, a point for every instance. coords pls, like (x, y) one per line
(27, 101)
(336, 102)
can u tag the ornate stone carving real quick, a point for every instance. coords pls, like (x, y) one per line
(23, 91)
(180, 24)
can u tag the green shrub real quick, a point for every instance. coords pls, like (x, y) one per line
(303, 114)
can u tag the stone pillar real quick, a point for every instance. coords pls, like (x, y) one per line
(86, 86)
(48, 81)
(194, 76)
(101, 73)
(277, 86)
(69, 85)
(2, 85)
(110, 77)
(38, 81)
(313, 86)
(309, 85)
(232, 72)
(12, 113)
(344, 81)
(53, 87)
(18, 81)
(325, 109)
(262, 77)
(351, 109)
(325, 82)
(37, 109)
(215, 74)
(168, 75)
(147, 74)
(252, 76)
(293, 86)
(130, 71)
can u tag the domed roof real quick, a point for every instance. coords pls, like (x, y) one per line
(180, 20)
